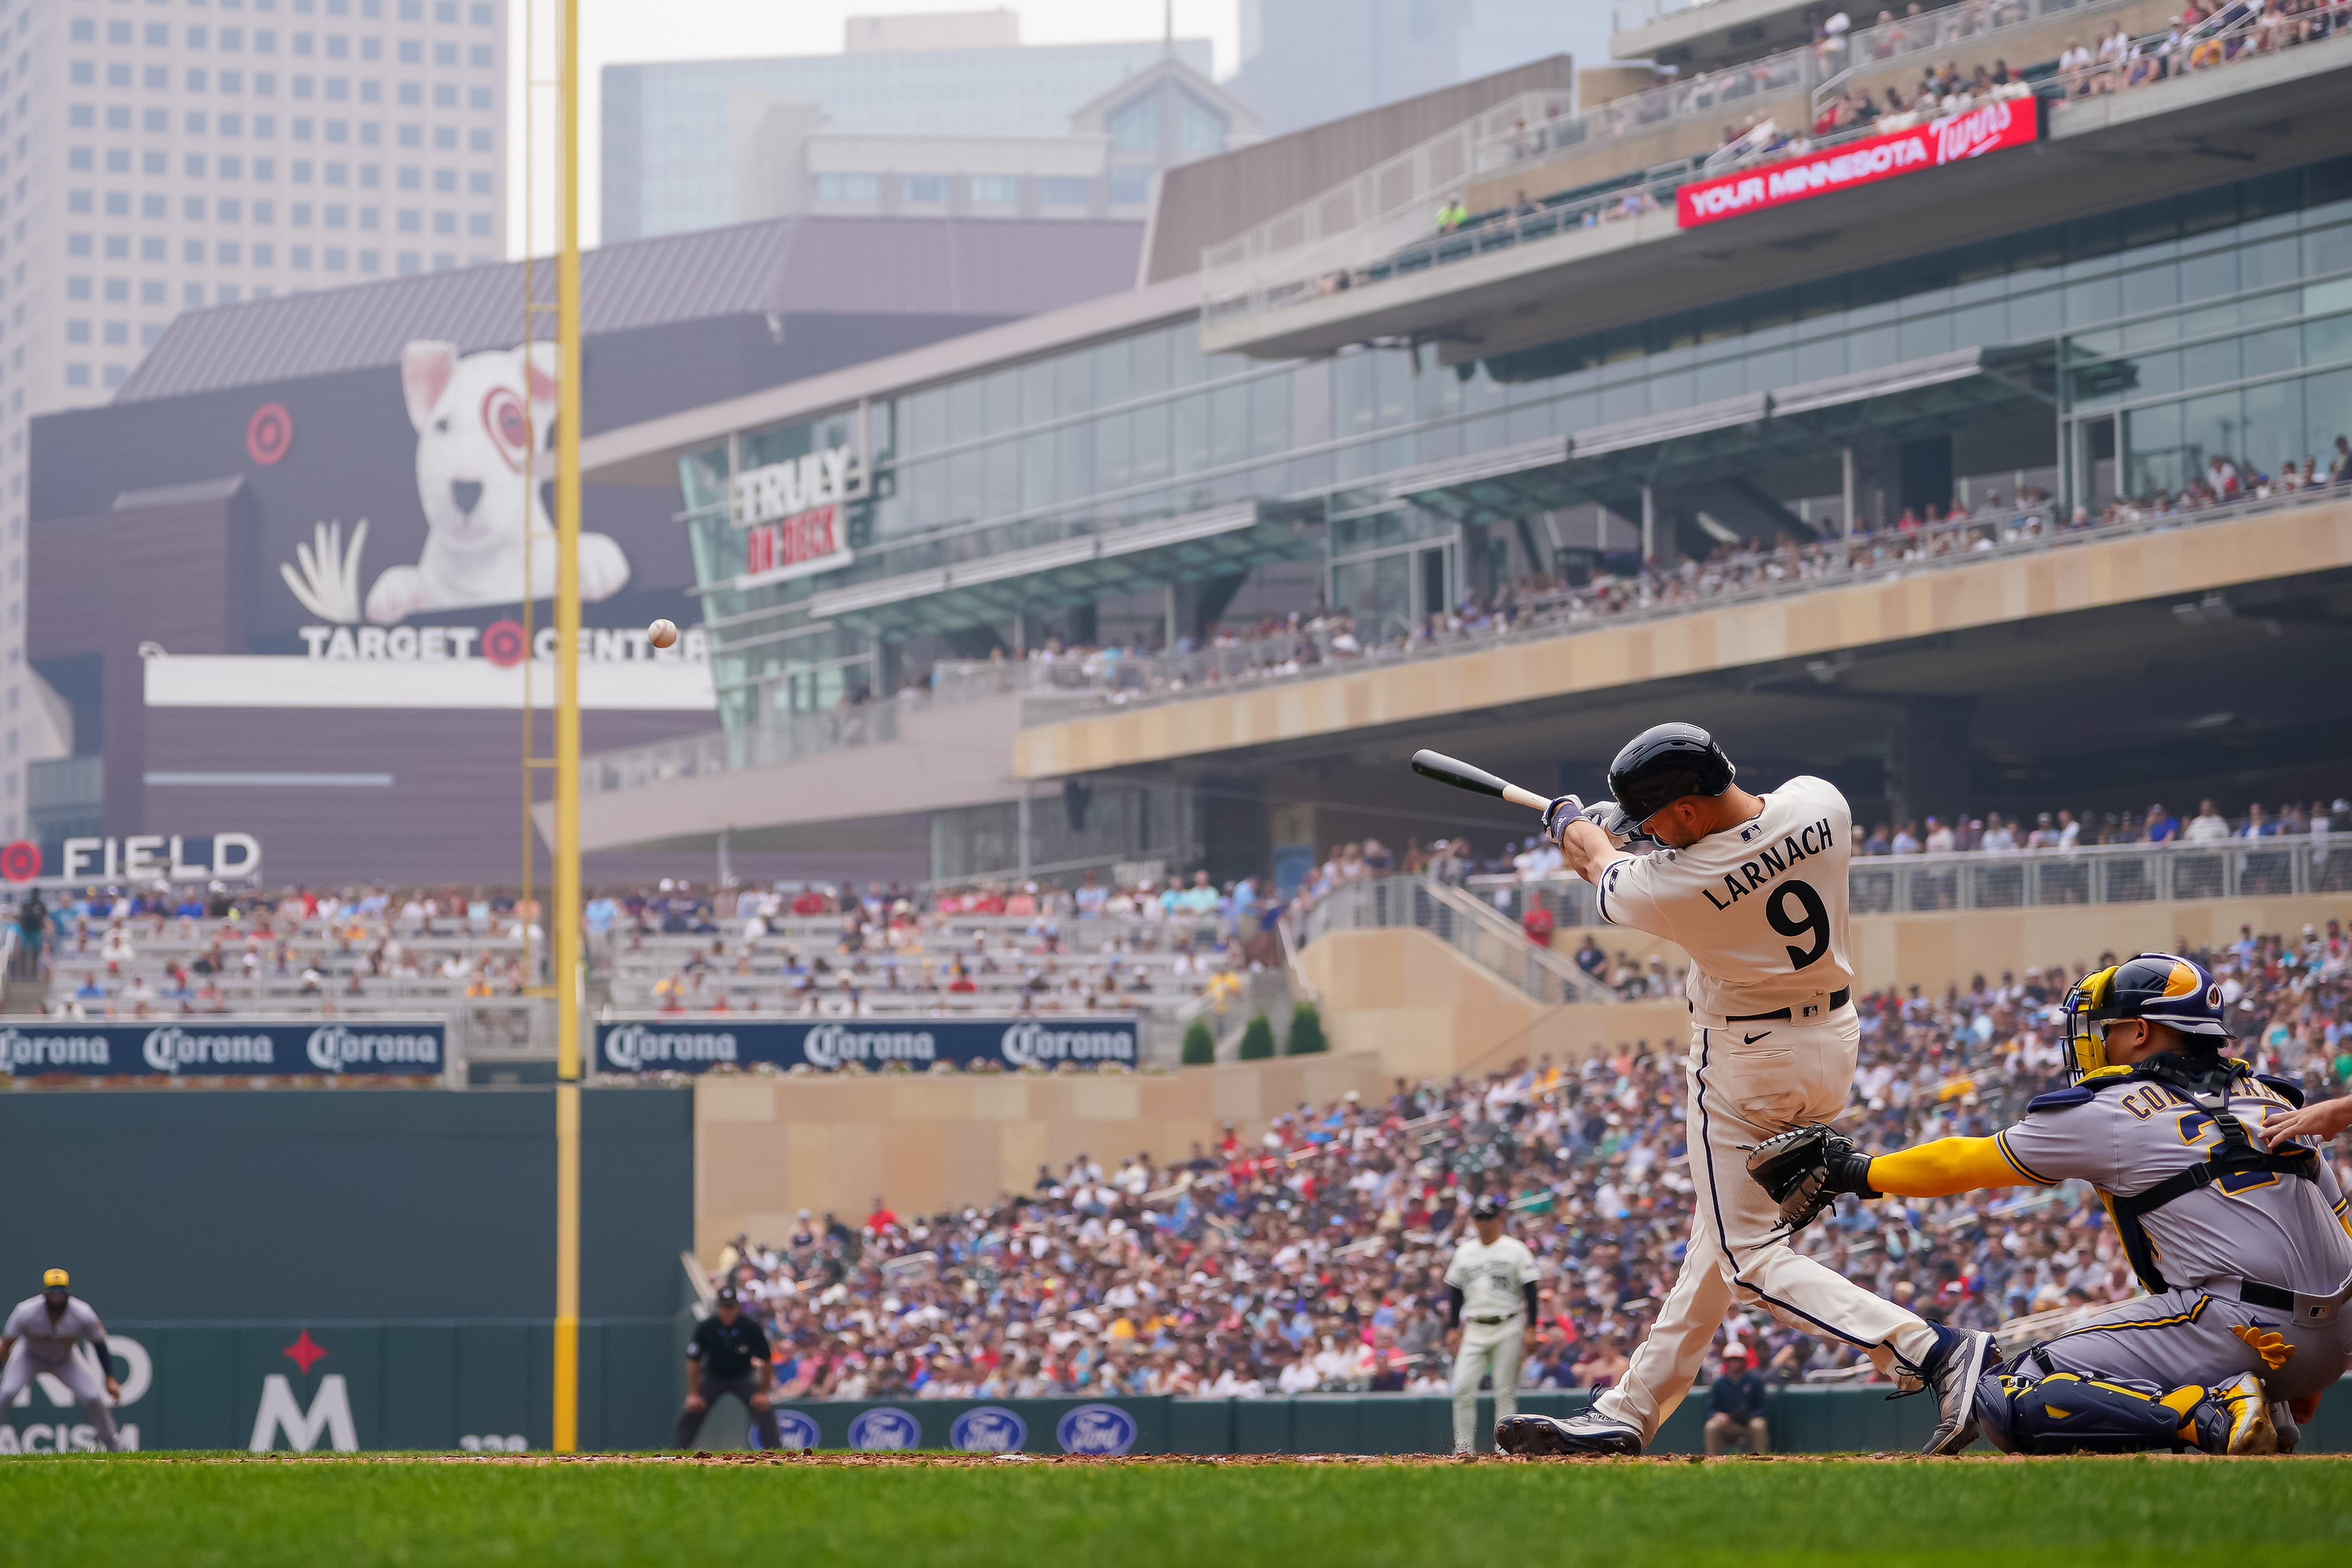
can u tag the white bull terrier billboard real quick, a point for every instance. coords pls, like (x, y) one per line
(479, 418)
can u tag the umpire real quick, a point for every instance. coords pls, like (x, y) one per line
(728, 1354)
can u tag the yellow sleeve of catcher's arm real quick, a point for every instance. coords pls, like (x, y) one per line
(1946, 1167)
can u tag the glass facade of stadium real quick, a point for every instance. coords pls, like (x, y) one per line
(2212, 322)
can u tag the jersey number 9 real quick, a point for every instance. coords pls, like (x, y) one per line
(1812, 920)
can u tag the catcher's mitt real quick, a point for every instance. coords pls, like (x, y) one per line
(1804, 1170)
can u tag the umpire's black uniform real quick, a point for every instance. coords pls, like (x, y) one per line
(719, 1361)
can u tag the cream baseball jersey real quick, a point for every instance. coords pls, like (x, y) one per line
(1760, 908)
(1490, 1278)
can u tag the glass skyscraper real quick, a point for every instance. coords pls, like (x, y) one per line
(190, 153)
(668, 153)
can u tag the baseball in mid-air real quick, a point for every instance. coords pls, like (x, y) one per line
(661, 634)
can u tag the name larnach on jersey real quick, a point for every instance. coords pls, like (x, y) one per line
(1770, 863)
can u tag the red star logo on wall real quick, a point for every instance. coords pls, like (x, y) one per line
(305, 1352)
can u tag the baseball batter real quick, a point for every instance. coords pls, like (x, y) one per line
(1753, 888)
(1491, 1282)
(2238, 1234)
(39, 1337)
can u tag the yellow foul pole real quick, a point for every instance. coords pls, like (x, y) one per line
(568, 977)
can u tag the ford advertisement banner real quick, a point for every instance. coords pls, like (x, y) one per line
(697, 1044)
(2010, 122)
(1102, 1428)
(374, 1048)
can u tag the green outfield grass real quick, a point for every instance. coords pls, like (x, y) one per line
(248, 1513)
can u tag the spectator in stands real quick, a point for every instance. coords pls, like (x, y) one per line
(1734, 1409)
(2161, 826)
(2208, 826)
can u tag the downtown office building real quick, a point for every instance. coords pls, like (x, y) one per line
(159, 157)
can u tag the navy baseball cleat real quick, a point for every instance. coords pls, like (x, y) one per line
(2243, 1423)
(1542, 1438)
(1952, 1372)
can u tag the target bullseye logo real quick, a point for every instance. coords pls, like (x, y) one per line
(503, 643)
(269, 434)
(20, 861)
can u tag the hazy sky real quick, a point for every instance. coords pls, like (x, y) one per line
(620, 31)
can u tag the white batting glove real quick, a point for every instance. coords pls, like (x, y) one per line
(1612, 819)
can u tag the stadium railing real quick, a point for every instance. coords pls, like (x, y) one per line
(785, 737)
(1872, 49)
(2282, 867)
(1469, 925)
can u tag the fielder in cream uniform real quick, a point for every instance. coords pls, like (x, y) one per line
(1754, 888)
(1493, 1283)
(40, 1336)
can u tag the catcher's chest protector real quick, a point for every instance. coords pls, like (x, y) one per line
(2236, 1163)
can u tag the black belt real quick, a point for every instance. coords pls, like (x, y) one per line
(2254, 1293)
(2303, 1309)
(1837, 1000)
(1490, 1322)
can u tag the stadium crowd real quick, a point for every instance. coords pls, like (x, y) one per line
(1312, 1258)
(1334, 637)
(114, 952)
(1042, 946)
(2198, 38)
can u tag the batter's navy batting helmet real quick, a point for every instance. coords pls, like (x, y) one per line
(1488, 1206)
(2160, 987)
(1666, 763)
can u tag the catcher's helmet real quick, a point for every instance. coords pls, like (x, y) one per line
(1666, 763)
(2160, 987)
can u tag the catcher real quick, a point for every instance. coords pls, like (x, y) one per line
(2240, 1239)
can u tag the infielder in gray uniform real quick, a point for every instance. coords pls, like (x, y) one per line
(1492, 1284)
(40, 1336)
(2238, 1234)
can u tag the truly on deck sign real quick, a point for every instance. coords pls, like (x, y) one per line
(2010, 122)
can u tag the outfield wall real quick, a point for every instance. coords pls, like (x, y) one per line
(483, 1388)
(194, 1206)
(339, 1386)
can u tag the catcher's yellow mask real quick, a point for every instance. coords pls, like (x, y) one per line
(2089, 1009)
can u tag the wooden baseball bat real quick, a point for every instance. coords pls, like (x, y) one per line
(1447, 770)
